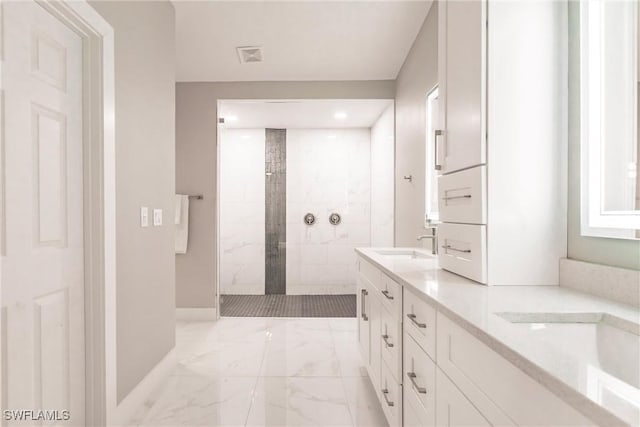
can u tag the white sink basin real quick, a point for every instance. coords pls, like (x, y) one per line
(573, 318)
(402, 253)
(607, 344)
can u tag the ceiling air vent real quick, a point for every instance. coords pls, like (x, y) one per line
(249, 54)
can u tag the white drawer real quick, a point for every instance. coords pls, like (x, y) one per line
(463, 250)
(391, 343)
(462, 196)
(390, 394)
(369, 272)
(391, 294)
(416, 417)
(488, 380)
(419, 379)
(419, 319)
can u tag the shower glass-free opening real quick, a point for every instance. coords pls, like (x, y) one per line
(302, 183)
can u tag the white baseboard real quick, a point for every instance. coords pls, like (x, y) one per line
(134, 402)
(208, 313)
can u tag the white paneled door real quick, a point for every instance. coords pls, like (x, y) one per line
(43, 246)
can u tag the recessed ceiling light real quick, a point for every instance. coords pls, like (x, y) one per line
(340, 115)
(230, 118)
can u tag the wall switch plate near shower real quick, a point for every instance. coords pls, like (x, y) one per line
(144, 216)
(157, 217)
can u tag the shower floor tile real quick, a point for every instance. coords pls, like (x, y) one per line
(288, 306)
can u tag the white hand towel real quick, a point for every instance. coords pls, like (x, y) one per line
(182, 229)
(178, 209)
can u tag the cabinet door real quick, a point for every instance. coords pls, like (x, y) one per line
(375, 316)
(462, 79)
(363, 297)
(453, 409)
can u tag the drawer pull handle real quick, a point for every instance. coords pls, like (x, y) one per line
(437, 166)
(363, 305)
(385, 338)
(387, 294)
(451, 248)
(384, 394)
(412, 376)
(412, 317)
(466, 196)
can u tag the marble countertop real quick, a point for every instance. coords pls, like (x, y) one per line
(592, 362)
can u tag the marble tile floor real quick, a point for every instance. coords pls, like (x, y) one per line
(265, 372)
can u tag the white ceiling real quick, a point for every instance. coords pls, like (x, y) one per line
(301, 114)
(301, 40)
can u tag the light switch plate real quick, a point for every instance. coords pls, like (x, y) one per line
(157, 217)
(144, 216)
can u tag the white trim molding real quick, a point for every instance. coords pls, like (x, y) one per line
(196, 314)
(99, 201)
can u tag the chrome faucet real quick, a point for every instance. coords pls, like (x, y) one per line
(434, 239)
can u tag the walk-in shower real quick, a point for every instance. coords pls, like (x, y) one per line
(302, 183)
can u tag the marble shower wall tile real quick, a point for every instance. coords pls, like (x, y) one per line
(328, 170)
(242, 211)
(382, 182)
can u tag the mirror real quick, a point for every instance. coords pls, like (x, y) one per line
(610, 113)
(431, 173)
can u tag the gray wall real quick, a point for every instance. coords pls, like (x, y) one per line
(145, 159)
(196, 135)
(614, 252)
(418, 75)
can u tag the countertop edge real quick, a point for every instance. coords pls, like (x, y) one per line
(563, 391)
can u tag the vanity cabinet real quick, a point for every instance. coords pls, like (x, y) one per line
(501, 146)
(430, 371)
(489, 380)
(380, 336)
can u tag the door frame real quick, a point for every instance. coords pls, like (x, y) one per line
(98, 200)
